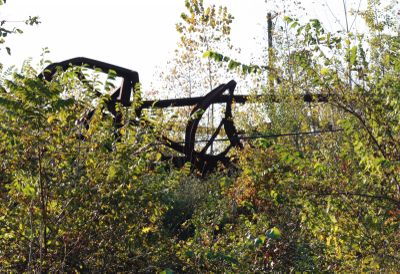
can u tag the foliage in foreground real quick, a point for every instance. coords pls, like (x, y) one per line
(95, 204)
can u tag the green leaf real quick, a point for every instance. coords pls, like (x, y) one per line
(218, 57)
(230, 259)
(325, 71)
(167, 271)
(257, 241)
(260, 240)
(274, 233)
(189, 253)
(207, 54)
(294, 25)
(233, 64)
(288, 19)
(353, 55)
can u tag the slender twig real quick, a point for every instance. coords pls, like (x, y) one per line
(43, 224)
(333, 15)
(13, 21)
(356, 15)
(344, 193)
(31, 238)
(345, 15)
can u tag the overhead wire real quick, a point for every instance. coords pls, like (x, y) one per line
(278, 135)
(356, 15)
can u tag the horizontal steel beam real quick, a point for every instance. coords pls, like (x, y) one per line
(240, 99)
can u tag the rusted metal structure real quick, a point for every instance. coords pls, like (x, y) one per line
(201, 160)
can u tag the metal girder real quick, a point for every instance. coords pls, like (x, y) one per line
(201, 160)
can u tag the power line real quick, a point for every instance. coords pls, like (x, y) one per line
(266, 136)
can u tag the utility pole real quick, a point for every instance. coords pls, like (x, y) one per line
(270, 53)
(269, 27)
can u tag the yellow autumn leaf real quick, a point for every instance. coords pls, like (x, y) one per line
(147, 229)
(324, 71)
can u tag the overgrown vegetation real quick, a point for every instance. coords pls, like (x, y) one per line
(319, 203)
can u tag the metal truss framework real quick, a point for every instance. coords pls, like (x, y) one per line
(201, 160)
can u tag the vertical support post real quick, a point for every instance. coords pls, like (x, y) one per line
(271, 73)
(269, 29)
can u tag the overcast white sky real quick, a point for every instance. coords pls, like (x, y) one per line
(136, 34)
